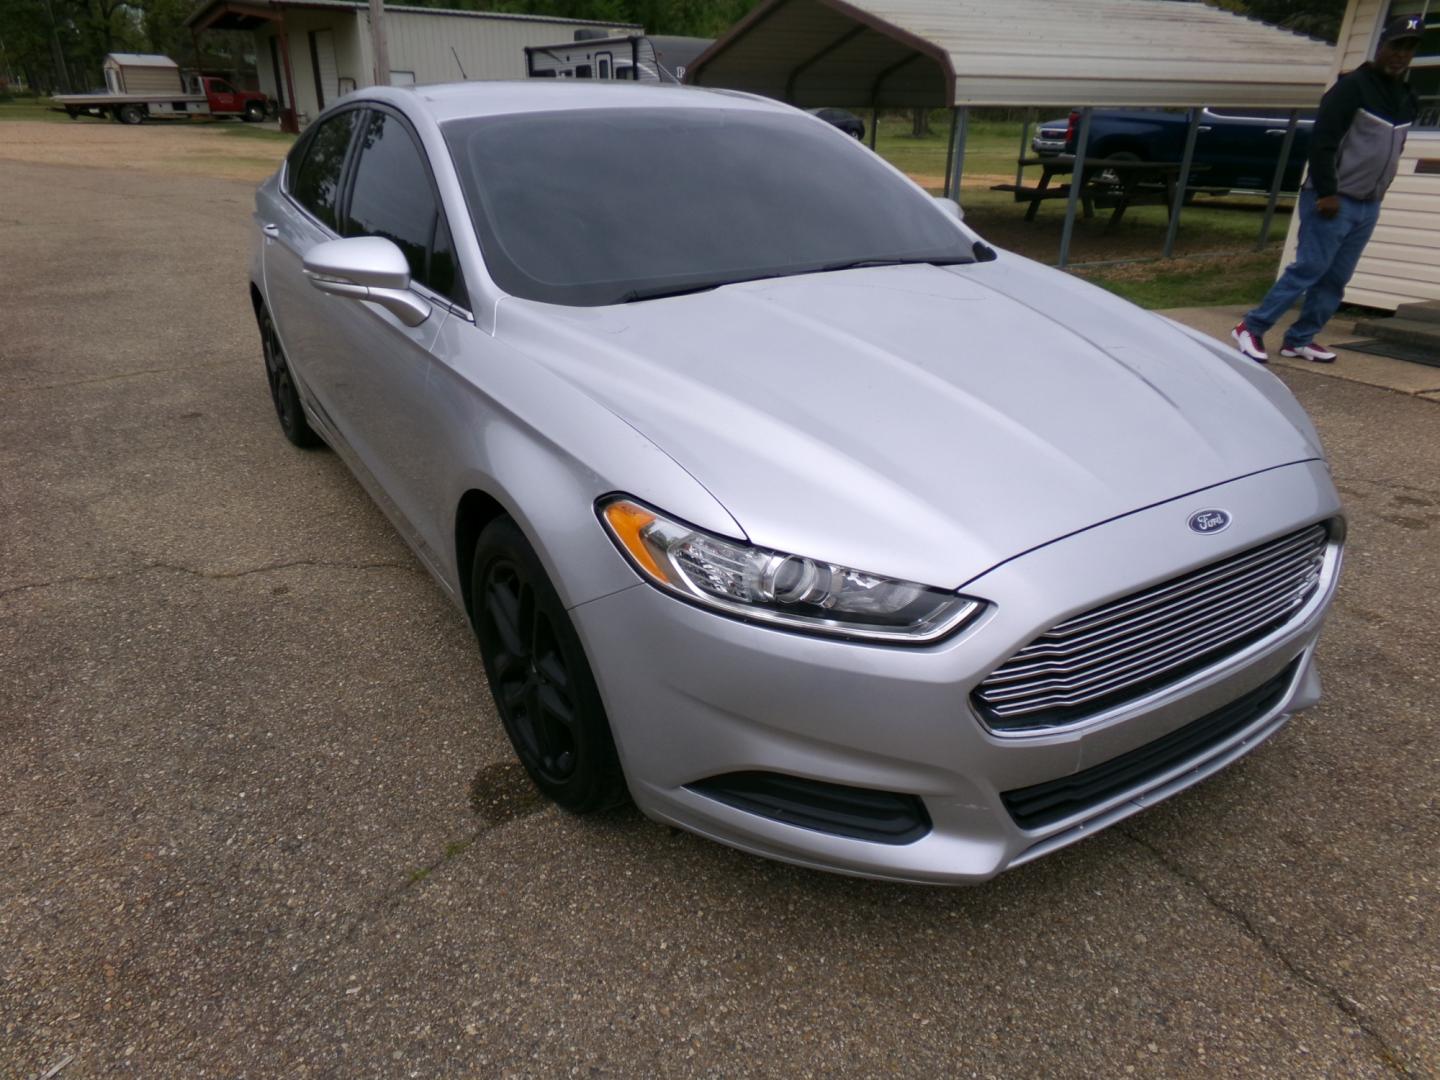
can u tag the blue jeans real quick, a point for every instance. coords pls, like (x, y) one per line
(1324, 260)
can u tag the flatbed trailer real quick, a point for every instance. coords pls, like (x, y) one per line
(131, 108)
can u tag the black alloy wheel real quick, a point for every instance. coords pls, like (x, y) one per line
(132, 114)
(286, 398)
(254, 112)
(539, 677)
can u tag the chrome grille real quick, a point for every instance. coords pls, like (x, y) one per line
(1141, 642)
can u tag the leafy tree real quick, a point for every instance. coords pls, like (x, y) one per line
(1318, 18)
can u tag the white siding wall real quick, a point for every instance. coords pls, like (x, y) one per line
(1362, 22)
(349, 63)
(1402, 261)
(488, 48)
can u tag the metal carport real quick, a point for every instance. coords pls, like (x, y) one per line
(961, 53)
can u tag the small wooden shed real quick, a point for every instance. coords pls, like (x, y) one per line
(142, 73)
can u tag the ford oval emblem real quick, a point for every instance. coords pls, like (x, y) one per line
(1209, 521)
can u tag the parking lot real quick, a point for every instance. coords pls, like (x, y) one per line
(259, 817)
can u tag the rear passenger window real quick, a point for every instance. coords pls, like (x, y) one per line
(391, 196)
(317, 182)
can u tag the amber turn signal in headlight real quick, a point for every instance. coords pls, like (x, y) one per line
(774, 587)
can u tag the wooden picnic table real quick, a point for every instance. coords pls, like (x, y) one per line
(1127, 183)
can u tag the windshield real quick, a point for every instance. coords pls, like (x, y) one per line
(592, 207)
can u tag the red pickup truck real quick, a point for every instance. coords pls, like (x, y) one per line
(205, 95)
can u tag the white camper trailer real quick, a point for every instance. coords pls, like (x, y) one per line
(631, 57)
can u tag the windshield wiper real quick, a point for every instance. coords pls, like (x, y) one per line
(657, 292)
(860, 264)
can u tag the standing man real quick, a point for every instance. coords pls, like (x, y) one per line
(1354, 153)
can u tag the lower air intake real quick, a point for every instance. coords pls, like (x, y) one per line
(882, 817)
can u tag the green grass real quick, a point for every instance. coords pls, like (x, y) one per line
(37, 108)
(250, 131)
(1240, 279)
(991, 147)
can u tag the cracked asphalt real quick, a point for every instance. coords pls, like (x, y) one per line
(258, 818)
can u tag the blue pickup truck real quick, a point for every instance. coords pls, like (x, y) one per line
(1238, 148)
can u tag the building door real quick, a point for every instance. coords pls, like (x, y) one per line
(322, 60)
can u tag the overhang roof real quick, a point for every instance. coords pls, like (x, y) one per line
(129, 59)
(1014, 52)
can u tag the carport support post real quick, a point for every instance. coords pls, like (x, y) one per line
(1077, 181)
(1279, 178)
(1024, 143)
(959, 128)
(1182, 183)
(949, 156)
(874, 124)
(289, 116)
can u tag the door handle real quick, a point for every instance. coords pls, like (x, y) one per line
(1203, 127)
(272, 231)
(1275, 131)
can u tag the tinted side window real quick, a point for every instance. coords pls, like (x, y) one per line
(391, 195)
(317, 183)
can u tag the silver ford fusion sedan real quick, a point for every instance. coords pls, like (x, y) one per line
(776, 497)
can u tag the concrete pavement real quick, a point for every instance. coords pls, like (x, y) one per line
(259, 819)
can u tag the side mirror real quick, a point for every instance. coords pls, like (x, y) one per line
(951, 207)
(367, 268)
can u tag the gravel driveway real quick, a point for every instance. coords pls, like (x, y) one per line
(258, 818)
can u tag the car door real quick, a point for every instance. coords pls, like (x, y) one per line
(223, 98)
(383, 409)
(306, 213)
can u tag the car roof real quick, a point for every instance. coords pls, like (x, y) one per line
(461, 100)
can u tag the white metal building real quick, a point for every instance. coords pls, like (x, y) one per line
(326, 44)
(1402, 263)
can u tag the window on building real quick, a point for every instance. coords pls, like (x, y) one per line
(1425, 70)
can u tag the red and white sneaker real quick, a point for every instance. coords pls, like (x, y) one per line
(1314, 351)
(1250, 344)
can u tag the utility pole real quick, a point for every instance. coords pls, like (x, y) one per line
(377, 43)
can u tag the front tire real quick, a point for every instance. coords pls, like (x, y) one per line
(254, 112)
(132, 114)
(543, 688)
(288, 409)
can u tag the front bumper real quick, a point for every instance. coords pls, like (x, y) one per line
(692, 695)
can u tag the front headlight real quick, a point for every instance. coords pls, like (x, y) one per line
(773, 587)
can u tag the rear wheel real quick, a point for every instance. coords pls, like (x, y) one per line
(286, 398)
(131, 114)
(542, 683)
(1114, 177)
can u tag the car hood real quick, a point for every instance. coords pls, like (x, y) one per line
(918, 421)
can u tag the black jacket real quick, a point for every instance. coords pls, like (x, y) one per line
(1359, 134)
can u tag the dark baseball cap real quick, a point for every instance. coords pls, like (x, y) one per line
(1403, 26)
